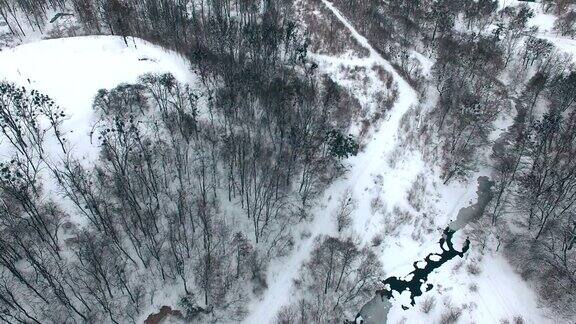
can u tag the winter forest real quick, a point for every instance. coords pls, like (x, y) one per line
(287, 161)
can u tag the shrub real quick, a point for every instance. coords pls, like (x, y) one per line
(190, 307)
(337, 280)
(428, 304)
(376, 204)
(345, 208)
(457, 266)
(417, 192)
(473, 268)
(451, 315)
(286, 315)
(342, 146)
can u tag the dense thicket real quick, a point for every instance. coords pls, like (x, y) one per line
(535, 168)
(213, 31)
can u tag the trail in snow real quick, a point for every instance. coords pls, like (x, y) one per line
(371, 161)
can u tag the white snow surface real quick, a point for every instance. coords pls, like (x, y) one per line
(501, 293)
(543, 21)
(362, 168)
(72, 70)
(545, 24)
(564, 44)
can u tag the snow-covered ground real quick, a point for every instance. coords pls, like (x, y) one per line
(363, 168)
(544, 22)
(72, 70)
(564, 44)
(500, 294)
(63, 26)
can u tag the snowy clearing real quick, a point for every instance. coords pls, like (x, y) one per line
(72, 70)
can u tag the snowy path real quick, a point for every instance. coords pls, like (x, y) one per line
(371, 161)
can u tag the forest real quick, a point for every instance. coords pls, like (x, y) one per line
(199, 189)
(270, 135)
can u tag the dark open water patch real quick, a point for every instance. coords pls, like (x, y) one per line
(419, 276)
(376, 310)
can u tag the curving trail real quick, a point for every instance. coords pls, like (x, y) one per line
(369, 162)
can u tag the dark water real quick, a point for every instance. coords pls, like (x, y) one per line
(376, 310)
(474, 212)
(419, 276)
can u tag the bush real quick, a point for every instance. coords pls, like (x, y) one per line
(258, 275)
(416, 234)
(397, 218)
(342, 146)
(428, 304)
(518, 319)
(473, 287)
(451, 315)
(473, 268)
(457, 266)
(345, 208)
(337, 280)
(286, 315)
(417, 192)
(376, 205)
(190, 307)
(377, 240)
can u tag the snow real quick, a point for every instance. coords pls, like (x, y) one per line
(64, 26)
(501, 294)
(371, 161)
(564, 44)
(425, 62)
(544, 22)
(348, 71)
(72, 70)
